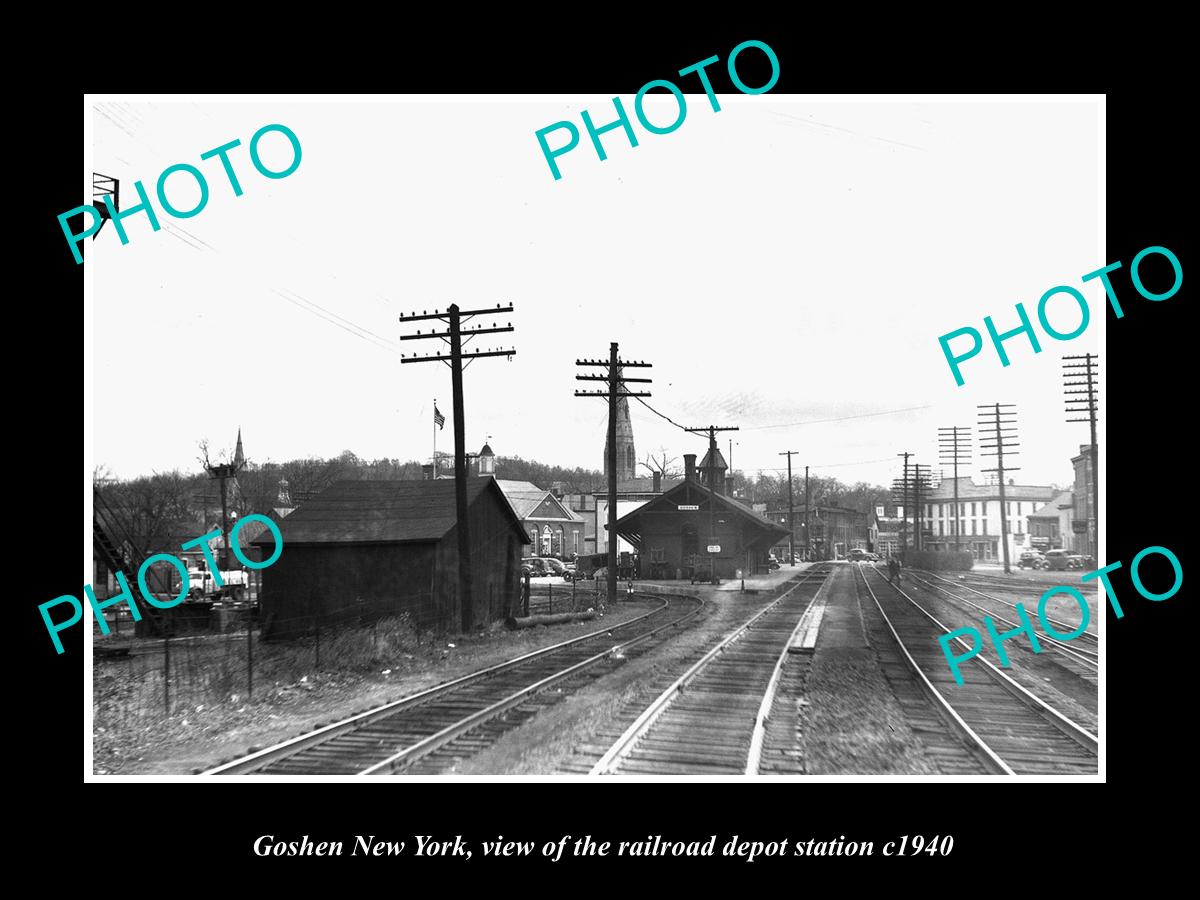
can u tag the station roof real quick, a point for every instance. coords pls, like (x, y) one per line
(629, 525)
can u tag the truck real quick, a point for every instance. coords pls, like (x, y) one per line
(235, 585)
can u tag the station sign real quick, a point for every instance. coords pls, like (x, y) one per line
(1079, 526)
(714, 548)
(691, 506)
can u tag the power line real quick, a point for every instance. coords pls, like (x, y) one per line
(886, 412)
(661, 415)
(861, 462)
(340, 318)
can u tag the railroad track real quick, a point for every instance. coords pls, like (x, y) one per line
(434, 728)
(1082, 659)
(1039, 586)
(1012, 731)
(710, 720)
(1012, 582)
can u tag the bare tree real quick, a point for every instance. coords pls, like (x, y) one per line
(149, 509)
(665, 465)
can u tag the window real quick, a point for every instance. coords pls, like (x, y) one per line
(629, 458)
(973, 524)
(962, 510)
(973, 509)
(929, 510)
(575, 541)
(941, 528)
(940, 512)
(985, 526)
(656, 554)
(1008, 507)
(899, 512)
(1018, 507)
(879, 512)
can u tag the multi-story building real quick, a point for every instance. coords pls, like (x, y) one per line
(888, 530)
(832, 529)
(1050, 527)
(1085, 516)
(592, 507)
(978, 517)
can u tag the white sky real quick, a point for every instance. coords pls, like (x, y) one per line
(782, 261)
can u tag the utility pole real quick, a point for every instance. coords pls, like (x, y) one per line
(904, 507)
(807, 504)
(615, 389)
(223, 473)
(1003, 426)
(920, 480)
(455, 337)
(712, 430)
(1087, 404)
(954, 447)
(791, 505)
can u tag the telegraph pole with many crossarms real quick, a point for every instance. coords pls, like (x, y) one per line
(954, 446)
(615, 381)
(792, 507)
(1084, 402)
(455, 336)
(1003, 425)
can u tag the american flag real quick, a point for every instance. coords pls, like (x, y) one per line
(438, 419)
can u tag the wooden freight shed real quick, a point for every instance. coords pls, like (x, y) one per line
(363, 550)
(672, 532)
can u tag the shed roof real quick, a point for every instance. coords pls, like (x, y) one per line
(382, 512)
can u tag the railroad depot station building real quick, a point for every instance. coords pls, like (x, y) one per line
(672, 532)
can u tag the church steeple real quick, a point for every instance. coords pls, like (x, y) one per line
(239, 458)
(626, 455)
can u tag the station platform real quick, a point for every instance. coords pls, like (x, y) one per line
(762, 583)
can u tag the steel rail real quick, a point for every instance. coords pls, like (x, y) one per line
(993, 759)
(1067, 625)
(754, 757)
(1056, 718)
(283, 749)
(428, 745)
(625, 744)
(1087, 657)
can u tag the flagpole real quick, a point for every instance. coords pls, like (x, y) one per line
(435, 438)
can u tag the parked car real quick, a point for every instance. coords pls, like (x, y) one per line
(556, 566)
(772, 562)
(536, 566)
(1058, 560)
(1079, 561)
(1032, 559)
(857, 554)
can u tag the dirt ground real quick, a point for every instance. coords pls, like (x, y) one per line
(547, 743)
(854, 725)
(203, 736)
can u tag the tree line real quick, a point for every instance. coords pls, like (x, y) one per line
(154, 509)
